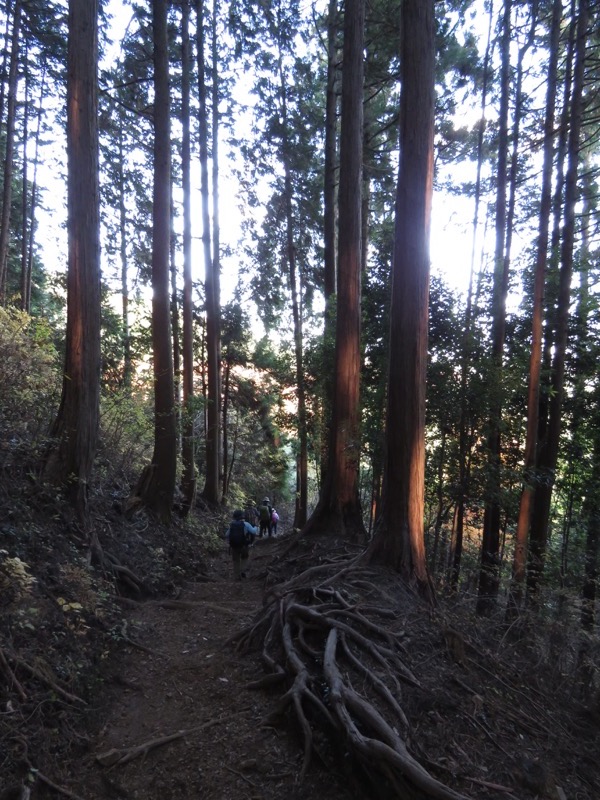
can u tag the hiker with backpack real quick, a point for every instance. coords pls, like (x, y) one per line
(274, 521)
(264, 517)
(240, 536)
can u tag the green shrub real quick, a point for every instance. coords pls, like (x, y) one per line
(29, 381)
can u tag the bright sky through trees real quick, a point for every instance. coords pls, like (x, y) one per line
(451, 238)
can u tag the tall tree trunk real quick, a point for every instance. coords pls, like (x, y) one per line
(216, 225)
(175, 332)
(225, 428)
(13, 78)
(210, 492)
(295, 284)
(548, 456)
(464, 443)
(8, 14)
(188, 477)
(329, 221)
(127, 365)
(33, 203)
(591, 515)
(399, 540)
(538, 524)
(158, 484)
(585, 372)
(338, 509)
(490, 546)
(25, 188)
(70, 460)
(535, 361)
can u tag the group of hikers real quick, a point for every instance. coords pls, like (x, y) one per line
(245, 526)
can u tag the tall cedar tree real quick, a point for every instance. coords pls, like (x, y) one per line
(338, 509)
(188, 477)
(158, 482)
(75, 431)
(550, 446)
(489, 576)
(211, 287)
(535, 361)
(13, 78)
(399, 539)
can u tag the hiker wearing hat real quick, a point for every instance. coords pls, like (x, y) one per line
(240, 535)
(264, 517)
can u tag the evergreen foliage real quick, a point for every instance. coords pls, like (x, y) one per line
(274, 147)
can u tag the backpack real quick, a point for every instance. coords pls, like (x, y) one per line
(274, 516)
(264, 513)
(237, 534)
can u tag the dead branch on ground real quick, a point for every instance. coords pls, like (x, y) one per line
(119, 756)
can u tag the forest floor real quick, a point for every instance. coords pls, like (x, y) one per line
(498, 713)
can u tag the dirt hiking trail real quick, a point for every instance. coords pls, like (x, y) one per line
(174, 720)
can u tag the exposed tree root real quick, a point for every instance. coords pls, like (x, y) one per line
(322, 635)
(42, 674)
(112, 566)
(119, 756)
(12, 679)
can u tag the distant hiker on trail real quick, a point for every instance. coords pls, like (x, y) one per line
(274, 521)
(240, 535)
(264, 517)
(251, 514)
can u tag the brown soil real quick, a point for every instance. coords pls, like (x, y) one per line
(175, 710)
(499, 713)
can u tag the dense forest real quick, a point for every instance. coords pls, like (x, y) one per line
(345, 255)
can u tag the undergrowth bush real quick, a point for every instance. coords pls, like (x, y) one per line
(29, 381)
(126, 433)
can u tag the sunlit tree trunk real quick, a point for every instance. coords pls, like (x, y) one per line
(158, 485)
(13, 78)
(338, 509)
(399, 540)
(70, 460)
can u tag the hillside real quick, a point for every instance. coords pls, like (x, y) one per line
(130, 685)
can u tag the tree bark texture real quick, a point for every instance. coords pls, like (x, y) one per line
(188, 477)
(490, 546)
(75, 430)
(159, 489)
(211, 485)
(549, 454)
(13, 78)
(399, 541)
(535, 361)
(339, 509)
